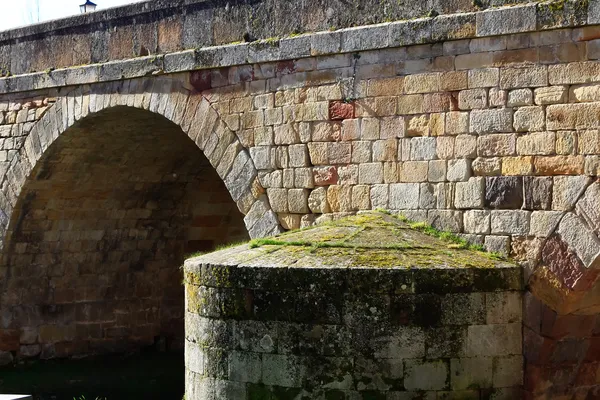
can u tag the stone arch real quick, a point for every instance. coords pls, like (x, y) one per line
(176, 100)
(161, 105)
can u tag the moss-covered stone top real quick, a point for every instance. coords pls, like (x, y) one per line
(368, 240)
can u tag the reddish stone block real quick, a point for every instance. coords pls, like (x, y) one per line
(573, 326)
(9, 340)
(285, 67)
(594, 350)
(565, 265)
(569, 352)
(588, 374)
(340, 110)
(201, 80)
(532, 312)
(532, 345)
(325, 176)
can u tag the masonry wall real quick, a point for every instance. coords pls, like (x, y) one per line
(493, 137)
(158, 27)
(313, 332)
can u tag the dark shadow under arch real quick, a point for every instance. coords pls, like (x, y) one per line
(101, 226)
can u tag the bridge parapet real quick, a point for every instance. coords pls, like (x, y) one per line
(160, 27)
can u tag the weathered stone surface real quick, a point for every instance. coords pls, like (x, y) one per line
(490, 121)
(550, 95)
(529, 119)
(469, 194)
(563, 263)
(404, 196)
(504, 192)
(514, 222)
(506, 20)
(544, 223)
(567, 190)
(477, 221)
(581, 239)
(537, 193)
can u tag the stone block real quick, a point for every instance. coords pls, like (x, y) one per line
(472, 99)
(422, 148)
(494, 340)
(463, 309)
(446, 220)
(469, 194)
(361, 197)
(572, 116)
(380, 196)
(491, 121)
(437, 171)
(404, 196)
(385, 150)
(503, 307)
(339, 152)
(514, 222)
(283, 370)
(504, 192)
(477, 221)
(445, 147)
(467, 373)
(324, 176)
(410, 32)
(414, 171)
(391, 127)
(454, 80)
(317, 201)
(574, 73)
(361, 151)
(508, 371)
(339, 198)
(497, 244)
(457, 26)
(583, 93)
(559, 165)
(589, 142)
(298, 155)
(417, 125)
(298, 201)
(536, 143)
(529, 119)
(551, 95)
(567, 190)
(365, 37)
(325, 43)
(487, 166)
(459, 170)
(422, 83)
(427, 198)
(581, 239)
(410, 104)
(523, 77)
(497, 97)
(370, 173)
(544, 223)
(537, 193)
(517, 165)
(519, 97)
(457, 123)
(506, 20)
(278, 199)
(348, 174)
(245, 367)
(484, 77)
(465, 146)
(426, 375)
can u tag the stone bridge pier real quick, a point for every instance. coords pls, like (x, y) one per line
(134, 137)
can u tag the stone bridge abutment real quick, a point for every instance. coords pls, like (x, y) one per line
(482, 122)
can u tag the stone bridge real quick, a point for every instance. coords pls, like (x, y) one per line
(133, 137)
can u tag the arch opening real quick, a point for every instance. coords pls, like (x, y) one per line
(101, 227)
